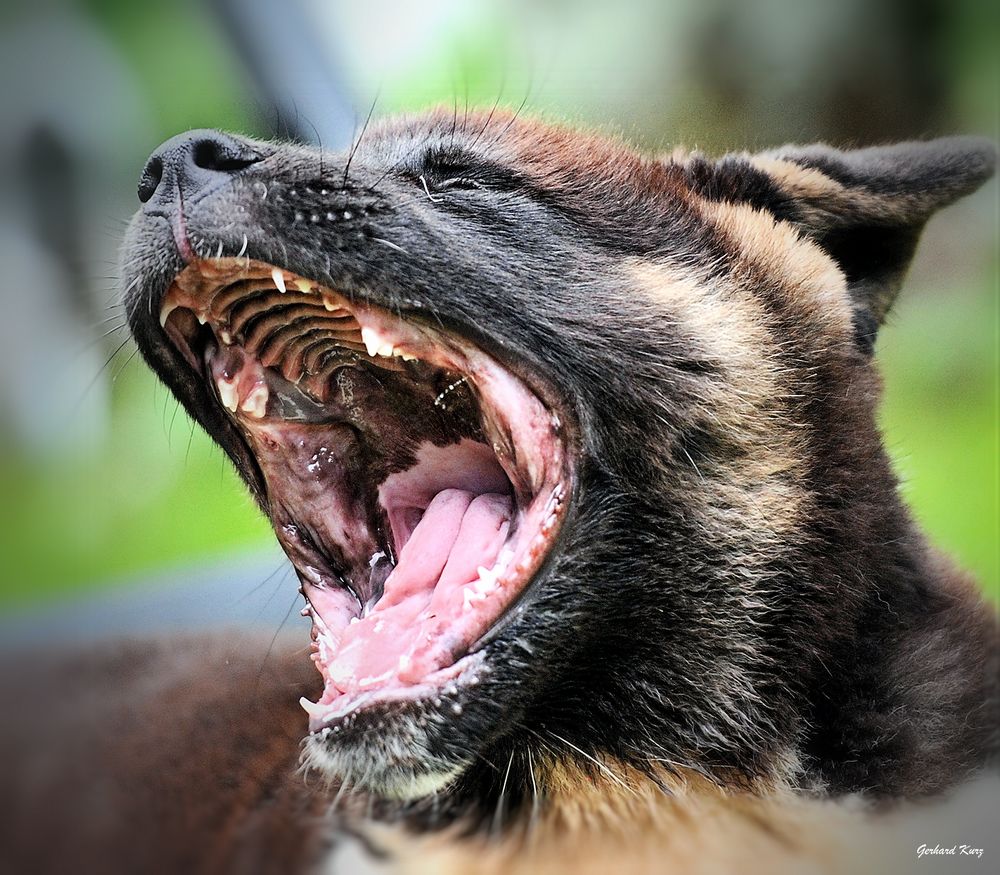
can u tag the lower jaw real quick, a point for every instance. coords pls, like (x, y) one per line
(399, 746)
(401, 770)
(441, 689)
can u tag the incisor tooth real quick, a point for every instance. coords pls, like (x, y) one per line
(279, 280)
(165, 311)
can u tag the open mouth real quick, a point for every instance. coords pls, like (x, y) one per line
(416, 484)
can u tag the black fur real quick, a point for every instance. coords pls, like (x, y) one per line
(845, 658)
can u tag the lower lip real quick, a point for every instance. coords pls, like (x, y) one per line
(442, 684)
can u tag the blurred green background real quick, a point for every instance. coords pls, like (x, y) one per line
(113, 484)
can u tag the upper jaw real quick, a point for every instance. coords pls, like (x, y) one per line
(541, 481)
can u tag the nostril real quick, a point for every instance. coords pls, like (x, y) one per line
(190, 164)
(150, 179)
(210, 154)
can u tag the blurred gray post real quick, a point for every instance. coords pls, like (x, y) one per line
(294, 71)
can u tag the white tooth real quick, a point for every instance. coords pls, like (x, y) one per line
(228, 394)
(487, 580)
(256, 402)
(406, 357)
(372, 341)
(226, 337)
(329, 302)
(313, 709)
(202, 317)
(165, 311)
(303, 285)
(279, 279)
(386, 350)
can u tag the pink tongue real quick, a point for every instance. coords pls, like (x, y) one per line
(458, 533)
(426, 553)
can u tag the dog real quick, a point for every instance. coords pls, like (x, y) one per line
(574, 453)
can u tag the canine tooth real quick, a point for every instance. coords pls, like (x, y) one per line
(374, 342)
(303, 285)
(165, 311)
(202, 317)
(313, 709)
(226, 337)
(279, 280)
(228, 394)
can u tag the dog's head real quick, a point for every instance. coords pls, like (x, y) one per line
(573, 450)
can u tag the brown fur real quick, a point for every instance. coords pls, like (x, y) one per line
(160, 756)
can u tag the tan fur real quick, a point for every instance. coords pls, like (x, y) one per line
(824, 202)
(618, 821)
(800, 182)
(593, 825)
(813, 283)
(759, 490)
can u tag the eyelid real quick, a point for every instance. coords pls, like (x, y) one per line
(445, 184)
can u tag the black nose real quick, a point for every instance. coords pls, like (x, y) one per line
(191, 164)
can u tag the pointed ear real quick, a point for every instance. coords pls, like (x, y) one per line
(867, 207)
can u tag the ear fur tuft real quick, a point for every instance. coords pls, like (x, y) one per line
(867, 207)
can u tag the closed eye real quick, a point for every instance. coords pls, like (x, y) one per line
(452, 170)
(465, 181)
